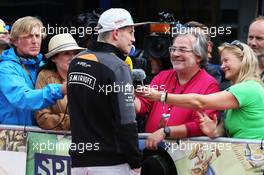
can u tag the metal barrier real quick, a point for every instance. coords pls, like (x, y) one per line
(36, 151)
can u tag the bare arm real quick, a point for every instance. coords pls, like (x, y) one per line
(155, 138)
(219, 101)
(179, 131)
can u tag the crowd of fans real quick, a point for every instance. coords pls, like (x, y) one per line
(183, 101)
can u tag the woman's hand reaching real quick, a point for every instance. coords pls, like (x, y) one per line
(148, 92)
(208, 125)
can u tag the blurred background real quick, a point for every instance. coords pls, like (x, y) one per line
(236, 14)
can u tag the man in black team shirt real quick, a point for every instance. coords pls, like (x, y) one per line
(100, 95)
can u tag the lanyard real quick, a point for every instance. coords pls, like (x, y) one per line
(166, 113)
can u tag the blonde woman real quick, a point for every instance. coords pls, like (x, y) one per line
(243, 101)
(62, 49)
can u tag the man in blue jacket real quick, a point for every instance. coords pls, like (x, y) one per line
(18, 71)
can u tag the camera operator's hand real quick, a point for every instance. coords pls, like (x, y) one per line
(64, 88)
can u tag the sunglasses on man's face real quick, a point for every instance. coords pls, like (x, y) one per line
(236, 43)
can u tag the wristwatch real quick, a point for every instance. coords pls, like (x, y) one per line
(167, 131)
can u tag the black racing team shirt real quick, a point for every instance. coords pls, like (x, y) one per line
(101, 107)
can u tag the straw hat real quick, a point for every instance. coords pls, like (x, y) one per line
(62, 42)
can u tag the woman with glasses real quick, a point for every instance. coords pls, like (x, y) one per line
(188, 55)
(243, 101)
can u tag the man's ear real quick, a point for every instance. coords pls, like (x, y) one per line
(198, 60)
(15, 42)
(210, 47)
(115, 34)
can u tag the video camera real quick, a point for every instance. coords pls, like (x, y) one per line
(87, 20)
(156, 44)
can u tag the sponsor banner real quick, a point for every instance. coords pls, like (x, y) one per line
(48, 154)
(216, 158)
(52, 164)
(34, 153)
(13, 146)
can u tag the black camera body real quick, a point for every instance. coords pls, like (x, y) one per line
(156, 46)
(157, 43)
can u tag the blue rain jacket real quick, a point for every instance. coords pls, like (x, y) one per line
(18, 96)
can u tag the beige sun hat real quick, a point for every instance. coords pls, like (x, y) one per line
(62, 42)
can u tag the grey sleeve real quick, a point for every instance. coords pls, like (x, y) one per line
(124, 86)
(128, 128)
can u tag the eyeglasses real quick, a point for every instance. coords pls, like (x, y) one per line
(179, 49)
(236, 43)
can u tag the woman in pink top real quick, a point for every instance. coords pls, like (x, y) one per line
(188, 56)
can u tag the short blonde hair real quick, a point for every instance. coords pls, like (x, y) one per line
(249, 69)
(24, 26)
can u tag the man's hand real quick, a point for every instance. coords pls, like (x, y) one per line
(154, 139)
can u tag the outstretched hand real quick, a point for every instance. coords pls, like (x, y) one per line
(207, 125)
(148, 92)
